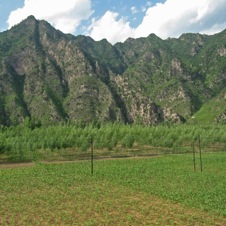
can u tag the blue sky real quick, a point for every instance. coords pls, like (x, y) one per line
(134, 10)
(117, 20)
(6, 6)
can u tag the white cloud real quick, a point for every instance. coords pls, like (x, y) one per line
(175, 17)
(110, 27)
(64, 15)
(143, 8)
(148, 3)
(168, 19)
(133, 10)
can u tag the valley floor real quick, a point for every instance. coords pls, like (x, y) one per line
(162, 190)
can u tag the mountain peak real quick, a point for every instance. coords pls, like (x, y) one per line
(31, 17)
(29, 20)
(52, 77)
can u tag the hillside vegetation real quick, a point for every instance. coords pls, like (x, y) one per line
(72, 142)
(51, 77)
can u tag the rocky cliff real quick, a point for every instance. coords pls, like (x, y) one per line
(51, 77)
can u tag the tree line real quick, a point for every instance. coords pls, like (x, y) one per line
(24, 140)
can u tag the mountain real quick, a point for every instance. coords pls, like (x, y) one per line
(51, 77)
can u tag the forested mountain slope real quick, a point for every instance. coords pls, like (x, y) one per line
(51, 77)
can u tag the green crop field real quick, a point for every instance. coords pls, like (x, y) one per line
(162, 190)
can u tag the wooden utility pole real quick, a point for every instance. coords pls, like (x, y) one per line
(193, 148)
(200, 153)
(91, 147)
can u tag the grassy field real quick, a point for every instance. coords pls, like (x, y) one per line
(136, 191)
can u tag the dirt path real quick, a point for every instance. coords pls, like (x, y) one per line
(98, 158)
(16, 165)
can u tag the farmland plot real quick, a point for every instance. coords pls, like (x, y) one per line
(139, 191)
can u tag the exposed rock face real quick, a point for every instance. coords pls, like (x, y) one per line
(52, 77)
(222, 51)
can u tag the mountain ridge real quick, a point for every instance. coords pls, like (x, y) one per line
(52, 77)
